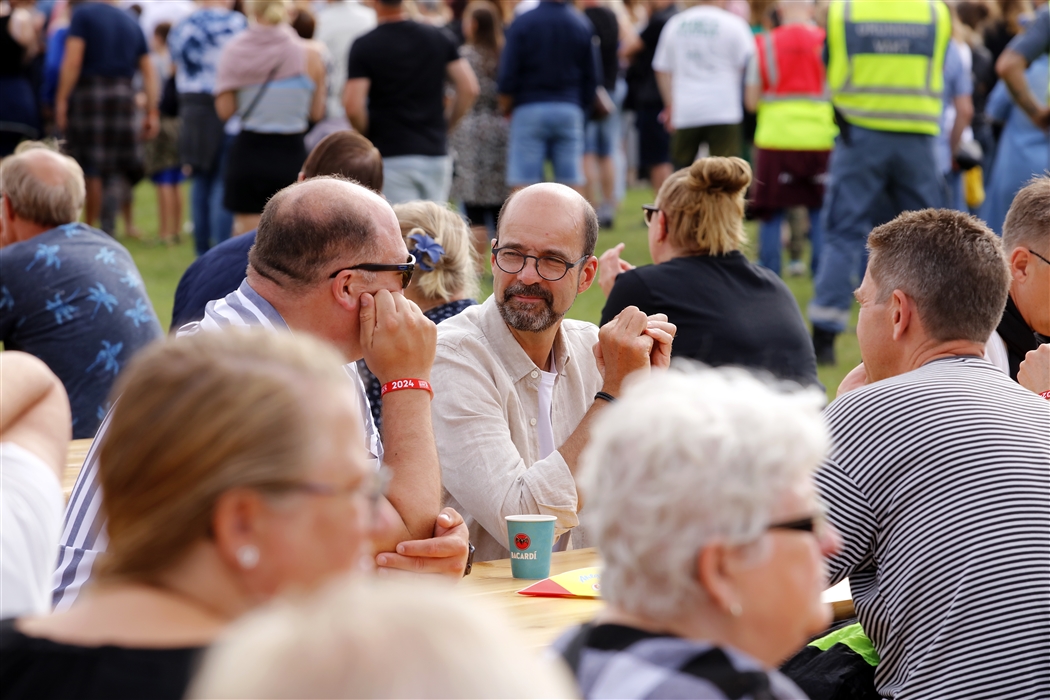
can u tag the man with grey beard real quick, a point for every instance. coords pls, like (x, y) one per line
(516, 384)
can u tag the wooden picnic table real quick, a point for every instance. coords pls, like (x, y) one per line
(78, 450)
(542, 620)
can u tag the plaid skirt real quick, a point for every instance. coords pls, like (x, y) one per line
(102, 130)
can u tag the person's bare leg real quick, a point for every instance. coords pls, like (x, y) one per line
(591, 171)
(659, 173)
(176, 191)
(93, 201)
(163, 209)
(127, 208)
(243, 223)
(482, 244)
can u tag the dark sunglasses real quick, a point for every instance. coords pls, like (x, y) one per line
(648, 210)
(406, 269)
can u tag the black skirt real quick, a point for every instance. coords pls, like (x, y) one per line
(259, 166)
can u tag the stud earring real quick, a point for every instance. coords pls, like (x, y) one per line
(248, 556)
(736, 610)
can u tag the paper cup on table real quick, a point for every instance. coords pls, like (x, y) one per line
(531, 539)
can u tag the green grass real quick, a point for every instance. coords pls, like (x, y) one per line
(161, 267)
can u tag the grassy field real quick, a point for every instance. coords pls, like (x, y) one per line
(162, 266)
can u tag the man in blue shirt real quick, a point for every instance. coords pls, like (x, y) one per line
(548, 75)
(69, 294)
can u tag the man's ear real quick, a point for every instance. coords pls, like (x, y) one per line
(587, 275)
(341, 293)
(902, 313)
(1019, 259)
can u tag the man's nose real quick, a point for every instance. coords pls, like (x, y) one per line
(529, 274)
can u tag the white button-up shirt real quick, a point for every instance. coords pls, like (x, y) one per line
(485, 411)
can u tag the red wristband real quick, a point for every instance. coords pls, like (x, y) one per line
(399, 384)
(1046, 395)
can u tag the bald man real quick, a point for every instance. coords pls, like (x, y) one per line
(329, 260)
(516, 384)
(69, 293)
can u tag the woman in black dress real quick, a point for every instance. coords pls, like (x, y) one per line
(230, 475)
(728, 310)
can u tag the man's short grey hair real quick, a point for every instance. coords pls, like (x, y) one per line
(950, 264)
(687, 456)
(39, 202)
(1028, 221)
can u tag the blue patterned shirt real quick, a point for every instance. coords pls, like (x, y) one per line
(73, 297)
(195, 44)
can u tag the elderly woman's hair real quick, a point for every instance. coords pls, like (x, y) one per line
(688, 456)
(377, 640)
(951, 264)
(195, 417)
(43, 203)
(455, 274)
(268, 11)
(704, 206)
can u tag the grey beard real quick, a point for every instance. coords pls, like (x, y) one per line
(535, 320)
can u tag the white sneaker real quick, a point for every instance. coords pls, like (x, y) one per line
(796, 268)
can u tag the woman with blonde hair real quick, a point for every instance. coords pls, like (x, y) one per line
(273, 82)
(728, 310)
(233, 470)
(446, 278)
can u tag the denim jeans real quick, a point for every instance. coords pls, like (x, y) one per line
(409, 178)
(770, 245)
(878, 174)
(212, 223)
(542, 131)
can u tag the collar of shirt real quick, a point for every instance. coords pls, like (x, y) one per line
(505, 346)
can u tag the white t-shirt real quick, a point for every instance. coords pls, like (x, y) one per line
(31, 507)
(338, 25)
(705, 49)
(995, 352)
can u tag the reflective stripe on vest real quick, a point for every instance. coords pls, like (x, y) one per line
(886, 63)
(794, 114)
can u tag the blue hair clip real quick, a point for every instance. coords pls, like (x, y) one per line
(428, 251)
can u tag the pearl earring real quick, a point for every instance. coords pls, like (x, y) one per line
(248, 556)
(736, 610)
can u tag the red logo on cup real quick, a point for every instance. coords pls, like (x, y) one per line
(522, 541)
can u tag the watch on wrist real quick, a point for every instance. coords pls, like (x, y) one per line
(470, 559)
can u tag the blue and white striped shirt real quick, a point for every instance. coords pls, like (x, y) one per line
(84, 532)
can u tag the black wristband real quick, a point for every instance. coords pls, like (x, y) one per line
(605, 396)
(470, 558)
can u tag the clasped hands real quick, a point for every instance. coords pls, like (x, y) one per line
(632, 342)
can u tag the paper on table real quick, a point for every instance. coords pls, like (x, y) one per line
(840, 591)
(578, 583)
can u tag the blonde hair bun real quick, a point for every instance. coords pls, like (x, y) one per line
(719, 175)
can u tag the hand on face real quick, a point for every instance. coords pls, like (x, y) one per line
(444, 554)
(1034, 374)
(397, 340)
(623, 347)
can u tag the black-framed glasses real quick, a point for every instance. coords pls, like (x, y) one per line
(548, 267)
(648, 210)
(1038, 255)
(406, 269)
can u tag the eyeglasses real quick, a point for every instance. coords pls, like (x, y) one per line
(813, 523)
(374, 488)
(1038, 255)
(549, 268)
(406, 270)
(647, 211)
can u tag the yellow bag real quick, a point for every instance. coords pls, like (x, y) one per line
(973, 187)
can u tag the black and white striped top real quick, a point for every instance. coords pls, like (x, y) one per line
(939, 482)
(84, 531)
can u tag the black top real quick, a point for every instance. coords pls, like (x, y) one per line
(1017, 336)
(12, 54)
(607, 29)
(31, 667)
(728, 310)
(212, 276)
(641, 79)
(405, 62)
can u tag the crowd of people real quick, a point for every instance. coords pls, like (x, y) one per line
(335, 407)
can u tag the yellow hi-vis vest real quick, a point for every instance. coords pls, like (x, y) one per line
(886, 63)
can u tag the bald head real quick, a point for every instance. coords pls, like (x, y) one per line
(537, 204)
(43, 187)
(309, 229)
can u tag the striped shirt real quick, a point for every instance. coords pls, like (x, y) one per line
(939, 482)
(84, 532)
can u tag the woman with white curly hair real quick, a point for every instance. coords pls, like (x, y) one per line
(702, 505)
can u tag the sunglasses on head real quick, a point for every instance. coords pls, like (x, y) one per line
(406, 269)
